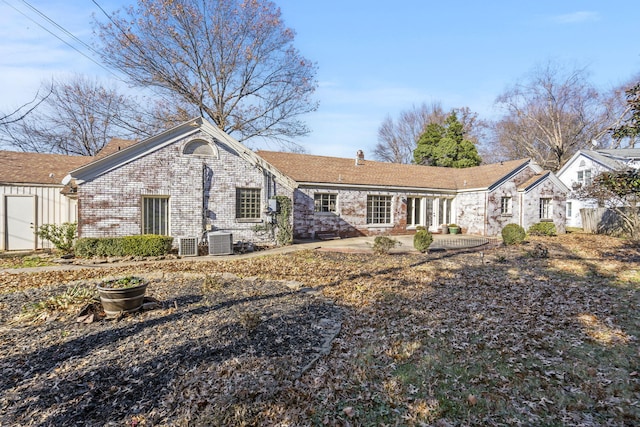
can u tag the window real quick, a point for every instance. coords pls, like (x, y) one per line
(199, 148)
(324, 202)
(545, 208)
(413, 211)
(378, 209)
(569, 210)
(248, 203)
(155, 215)
(584, 177)
(505, 205)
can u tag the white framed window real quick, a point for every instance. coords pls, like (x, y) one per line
(155, 215)
(546, 210)
(506, 205)
(414, 216)
(248, 203)
(324, 202)
(584, 177)
(378, 209)
(200, 148)
(569, 210)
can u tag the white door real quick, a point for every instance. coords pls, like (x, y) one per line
(20, 222)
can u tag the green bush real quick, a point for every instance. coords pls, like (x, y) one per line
(61, 236)
(513, 234)
(383, 244)
(142, 245)
(422, 240)
(542, 229)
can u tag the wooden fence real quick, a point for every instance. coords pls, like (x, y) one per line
(602, 221)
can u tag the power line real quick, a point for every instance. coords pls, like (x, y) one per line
(65, 31)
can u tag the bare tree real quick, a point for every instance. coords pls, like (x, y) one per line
(550, 115)
(398, 139)
(233, 60)
(7, 119)
(626, 129)
(79, 117)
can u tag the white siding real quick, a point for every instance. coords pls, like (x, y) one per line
(52, 207)
(569, 177)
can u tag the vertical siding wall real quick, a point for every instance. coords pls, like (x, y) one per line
(52, 207)
(111, 204)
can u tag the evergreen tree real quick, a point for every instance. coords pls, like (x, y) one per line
(446, 146)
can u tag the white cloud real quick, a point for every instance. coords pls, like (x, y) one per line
(576, 17)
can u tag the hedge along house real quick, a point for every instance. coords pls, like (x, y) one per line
(31, 195)
(184, 182)
(345, 197)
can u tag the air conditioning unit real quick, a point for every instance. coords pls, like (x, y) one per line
(220, 243)
(188, 246)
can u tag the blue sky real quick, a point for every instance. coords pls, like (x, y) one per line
(375, 59)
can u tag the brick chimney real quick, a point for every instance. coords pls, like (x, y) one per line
(359, 158)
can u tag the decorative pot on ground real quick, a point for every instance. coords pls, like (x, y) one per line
(444, 229)
(124, 295)
(454, 229)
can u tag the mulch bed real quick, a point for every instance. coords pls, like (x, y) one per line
(215, 343)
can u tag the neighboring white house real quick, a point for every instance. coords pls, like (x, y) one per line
(586, 165)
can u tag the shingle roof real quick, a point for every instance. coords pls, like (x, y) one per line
(36, 168)
(305, 168)
(531, 181)
(113, 146)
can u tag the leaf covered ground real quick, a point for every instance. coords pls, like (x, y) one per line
(541, 334)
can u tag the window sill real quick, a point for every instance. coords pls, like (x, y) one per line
(379, 225)
(249, 220)
(325, 213)
(506, 215)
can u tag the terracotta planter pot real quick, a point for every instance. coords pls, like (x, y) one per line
(122, 300)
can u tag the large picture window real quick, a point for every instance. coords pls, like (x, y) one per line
(324, 202)
(155, 215)
(248, 203)
(378, 209)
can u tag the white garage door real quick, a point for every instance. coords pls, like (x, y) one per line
(20, 222)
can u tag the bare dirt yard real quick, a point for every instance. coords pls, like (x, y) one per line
(545, 333)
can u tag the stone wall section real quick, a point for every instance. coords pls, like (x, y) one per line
(350, 218)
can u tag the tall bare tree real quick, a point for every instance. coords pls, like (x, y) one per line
(397, 139)
(79, 117)
(550, 115)
(233, 60)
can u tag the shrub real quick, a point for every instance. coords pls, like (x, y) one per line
(513, 234)
(542, 229)
(383, 244)
(61, 236)
(422, 240)
(142, 245)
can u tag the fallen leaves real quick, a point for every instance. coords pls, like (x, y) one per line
(441, 339)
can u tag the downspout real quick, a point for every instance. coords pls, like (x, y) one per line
(486, 216)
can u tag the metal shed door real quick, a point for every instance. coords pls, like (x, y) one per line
(20, 226)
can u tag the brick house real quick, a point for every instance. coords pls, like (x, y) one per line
(349, 197)
(194, 178)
